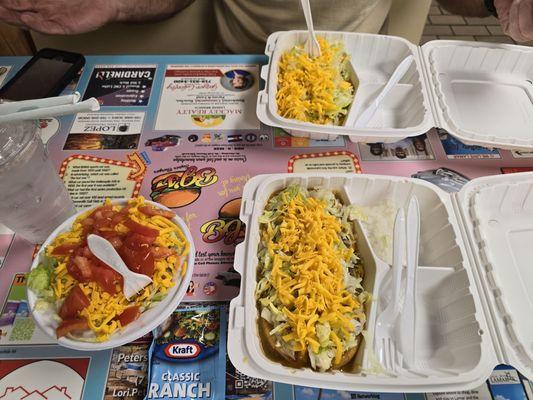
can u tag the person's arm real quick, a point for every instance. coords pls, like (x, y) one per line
(148, 10)
(467, 8)
(516, 16)
(68, 17)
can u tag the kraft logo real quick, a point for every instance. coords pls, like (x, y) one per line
(182, 350)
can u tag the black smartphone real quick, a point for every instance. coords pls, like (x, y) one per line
(45, 75)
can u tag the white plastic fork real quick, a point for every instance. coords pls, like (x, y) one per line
(385, 332)
(375, 271)
(104, 251)
(311, 46)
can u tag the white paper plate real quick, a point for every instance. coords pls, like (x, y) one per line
(148, 320)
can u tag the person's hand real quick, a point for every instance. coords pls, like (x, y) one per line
(516, 18)
(58, 17)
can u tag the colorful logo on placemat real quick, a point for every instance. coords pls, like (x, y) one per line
(181, 188)
(182, 350)
(227, 227)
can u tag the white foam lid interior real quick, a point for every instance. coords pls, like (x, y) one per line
(455, 348)
(482, 93)
(499, 215)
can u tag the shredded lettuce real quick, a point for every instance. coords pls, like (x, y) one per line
(42, 305)
(322, 332)
(266, 217)
(321, 361)
(266, 314)
(40, 278)
(351, 282)
(158, 296)
(379, 223)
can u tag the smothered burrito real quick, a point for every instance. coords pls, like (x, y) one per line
(309, 280)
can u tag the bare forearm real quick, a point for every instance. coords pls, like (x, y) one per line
(467, 8)
(148, 10)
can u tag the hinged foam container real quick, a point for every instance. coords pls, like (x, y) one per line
(482, 93)
(474, 300)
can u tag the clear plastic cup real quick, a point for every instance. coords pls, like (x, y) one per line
(33, 199)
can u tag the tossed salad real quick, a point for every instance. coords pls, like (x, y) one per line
(309, 280)
(316, 90)
(83, 293)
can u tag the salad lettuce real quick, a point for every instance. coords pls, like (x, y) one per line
(40, 278)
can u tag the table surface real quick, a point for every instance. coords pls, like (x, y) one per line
(149, 132)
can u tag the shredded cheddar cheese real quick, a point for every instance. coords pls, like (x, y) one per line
(315, 90)
(305, 279)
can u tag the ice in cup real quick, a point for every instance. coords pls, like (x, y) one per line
(34, 200)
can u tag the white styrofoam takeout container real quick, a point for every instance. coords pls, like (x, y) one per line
(482, 93)
(147, 321)
(474, 300)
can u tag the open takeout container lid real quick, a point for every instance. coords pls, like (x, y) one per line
(481, 93)
(147, 321)
(481, 235)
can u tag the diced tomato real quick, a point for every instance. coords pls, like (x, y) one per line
(125, 210)
(80, 268)
(129, 315)
(98, 211)
(147, 265)
(86, 232)
(71, 325)
(113, 238)
(161, 252)
(85, 267)
(118, 218)
(121, 215)
(108, 214)
(74, 303)
(106, 278)
(115, 241)
(88, 228)
(65, 249)
(72, 269)
(86, 252)
(102, 219)
(140, 261)
(86, 222)
(103, 224)
(136, 241)
(117, 278)
(151, 211)
(129, 256)
(140, 229)
(97, 263)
